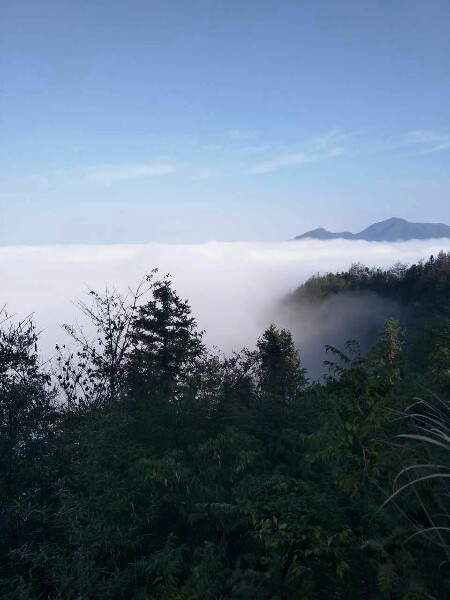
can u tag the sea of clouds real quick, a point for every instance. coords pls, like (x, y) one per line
(234, 288)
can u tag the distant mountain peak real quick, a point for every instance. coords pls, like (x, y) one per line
(395, 220)
(391, 230)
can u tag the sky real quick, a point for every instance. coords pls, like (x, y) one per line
(185, 121)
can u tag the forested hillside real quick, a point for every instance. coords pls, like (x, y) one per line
(139, 464)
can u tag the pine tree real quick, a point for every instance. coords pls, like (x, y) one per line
(280, 372)
(163, 374)
(166, 341)
(280, 379)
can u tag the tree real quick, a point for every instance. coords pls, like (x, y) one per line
(439, 355)
(94, 371)
(280, 373)
(166, 343)
(386, 355)
(28, 419)
(280, 379)
(163, 372)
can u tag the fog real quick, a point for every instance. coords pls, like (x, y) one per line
(347, 316)
(234, 288)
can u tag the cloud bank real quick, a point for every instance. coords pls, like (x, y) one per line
(234, 288)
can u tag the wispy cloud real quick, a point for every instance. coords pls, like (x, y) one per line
(288, 160)
(320, 147)
(332, 137)
(109, 174)
(202, 173)
(336, 136)
(427, 141)
(242, 134)
(234, 154)
(294, 160)
(105, 174)
(251, 149)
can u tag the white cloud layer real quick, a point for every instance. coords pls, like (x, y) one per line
(233, 288)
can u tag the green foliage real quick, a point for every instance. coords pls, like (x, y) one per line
(28, 425)
(281, 376)
(157, 470)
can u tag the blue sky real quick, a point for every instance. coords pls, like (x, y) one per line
(184, 121)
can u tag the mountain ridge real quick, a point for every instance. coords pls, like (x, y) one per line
(391, 230)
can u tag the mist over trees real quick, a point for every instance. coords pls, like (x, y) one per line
(140, 464)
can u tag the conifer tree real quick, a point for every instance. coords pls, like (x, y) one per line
(280, 372)
(166, 341)
(280, 378)
(163, 374)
